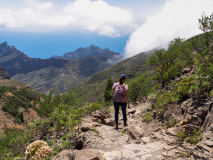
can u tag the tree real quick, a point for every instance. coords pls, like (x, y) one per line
(140, 86)
(170, 62)
(108, 90)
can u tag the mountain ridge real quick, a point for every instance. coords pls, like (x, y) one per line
(46, 74)
(88, 51)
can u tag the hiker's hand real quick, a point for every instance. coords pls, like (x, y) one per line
(129, 106)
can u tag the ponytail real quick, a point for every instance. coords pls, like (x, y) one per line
(121, 80)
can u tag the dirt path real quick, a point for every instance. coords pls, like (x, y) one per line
(138, 141)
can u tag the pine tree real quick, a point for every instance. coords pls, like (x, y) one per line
(108, 90)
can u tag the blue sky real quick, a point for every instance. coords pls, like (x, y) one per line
(42, 28)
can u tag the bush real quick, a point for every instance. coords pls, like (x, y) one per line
(13, 142)
(139, 86)
(193, 138)
(170, 124)
(89, 108)
(147, 118)
(3, 89)
(170, 62)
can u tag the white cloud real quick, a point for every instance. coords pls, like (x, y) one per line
(178, 18)
(95, 16)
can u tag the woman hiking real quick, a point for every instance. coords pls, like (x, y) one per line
(120, 97)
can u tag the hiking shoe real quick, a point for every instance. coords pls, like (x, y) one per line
(116, 126)
(126, 124)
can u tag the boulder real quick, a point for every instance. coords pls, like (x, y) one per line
(99, 115)
(108, 122)
(85, 128)
(209, 143)
(131, 111)
(64, 155)
(171, 132)
(135, 132)
(87, 154)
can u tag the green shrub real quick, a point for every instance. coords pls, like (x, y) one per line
(187, 154)
(194, 138)
(123, 132)
(170, 124)
(3, 90)
(89, 108)
(140, 86)
(170, 62)
(181, 134)
(95, 130)
(147, 118)
(13, 142)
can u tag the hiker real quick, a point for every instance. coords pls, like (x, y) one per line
(120, 97)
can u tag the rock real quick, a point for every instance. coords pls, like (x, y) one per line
(170, 131)
(85, 128)
(204, 147)
(202, 112)
(191, 110)
(159, 157)
(108, 122)
(157, 129)
(95, 119)
(88, 154)
(209, 135)
(112, 155)
(171, 153)
(186, 70)
(209, 143)
(64, 155)
(131, 111)
(99, 115)
(195, 120)
(170, 140)
(169, 147)
(188, 146)
(135, 132)
(146, 139)
(95, 124)
(136, 103)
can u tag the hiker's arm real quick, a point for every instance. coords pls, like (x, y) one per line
(113, 90)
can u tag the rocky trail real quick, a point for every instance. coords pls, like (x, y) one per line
(137, 141)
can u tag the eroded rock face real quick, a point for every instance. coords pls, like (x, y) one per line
(195, 112)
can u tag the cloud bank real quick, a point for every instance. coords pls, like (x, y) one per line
(178, 18)
(94, 16)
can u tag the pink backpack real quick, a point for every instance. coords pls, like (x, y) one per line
(119, 94)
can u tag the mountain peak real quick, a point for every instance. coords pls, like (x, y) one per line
(4, 44)
(91, 50)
